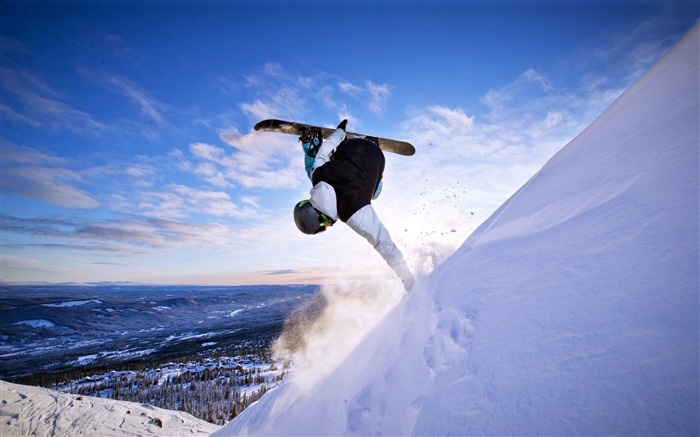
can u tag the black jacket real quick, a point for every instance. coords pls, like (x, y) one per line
(354, 172)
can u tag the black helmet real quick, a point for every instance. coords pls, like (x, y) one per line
(309, 220)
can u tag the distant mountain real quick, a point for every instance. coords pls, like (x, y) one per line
(59, 327)
(572, 310)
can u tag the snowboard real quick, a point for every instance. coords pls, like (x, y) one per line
(293, 128)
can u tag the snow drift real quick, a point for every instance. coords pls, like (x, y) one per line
(572, 310)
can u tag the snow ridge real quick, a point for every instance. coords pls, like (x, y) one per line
(572, 310)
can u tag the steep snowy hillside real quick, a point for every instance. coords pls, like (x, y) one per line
(572, 310)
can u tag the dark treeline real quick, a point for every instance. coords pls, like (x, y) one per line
(216, 395)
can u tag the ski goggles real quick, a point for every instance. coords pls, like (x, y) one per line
(323, 220)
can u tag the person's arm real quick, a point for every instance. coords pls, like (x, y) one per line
(366, 223)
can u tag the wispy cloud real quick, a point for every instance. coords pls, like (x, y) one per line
(15, 117)
(351, 89)
(279, 104)
(374, 96)
(116, 250)
(179, 201)
(616, 58)
(533, 75)
(35, 103)
(130, 233)
(379, 94)
(29, 173)
(48, 185)
(531, 85)
(280, 93)
(633, 50)
(145, 116)
(12, 153)
(149, 106)
(121, 52)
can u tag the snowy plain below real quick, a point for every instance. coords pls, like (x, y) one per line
(573, 310)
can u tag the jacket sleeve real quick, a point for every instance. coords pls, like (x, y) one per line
(327, 148)
(366, 223)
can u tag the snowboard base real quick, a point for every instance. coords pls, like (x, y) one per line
(294, 128)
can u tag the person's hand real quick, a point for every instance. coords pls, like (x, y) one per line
(343, 124)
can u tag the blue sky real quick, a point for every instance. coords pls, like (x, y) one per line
(127, 151)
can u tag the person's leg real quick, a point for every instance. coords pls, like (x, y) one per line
(327, 148)
(310, 150)
(310, 142)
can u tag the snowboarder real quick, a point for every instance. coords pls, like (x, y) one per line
(347, 175)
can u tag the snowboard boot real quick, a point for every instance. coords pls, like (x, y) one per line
(311, 140)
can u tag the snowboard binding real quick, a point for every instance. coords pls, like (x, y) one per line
(313, 138)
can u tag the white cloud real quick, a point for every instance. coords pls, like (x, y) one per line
(262, 160)
(350, 89)
(275, 104)
(379, 94)
(274, 69)
(212, 174)
(533, 75)
(140, 170)
(207, 152)
(177, 201)
(278, 93)
(216, 203)
(374, 95)
(325, 96)
(259, 110)
(250, 200)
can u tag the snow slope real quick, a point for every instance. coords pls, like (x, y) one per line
(572, 310)
(35, 411)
